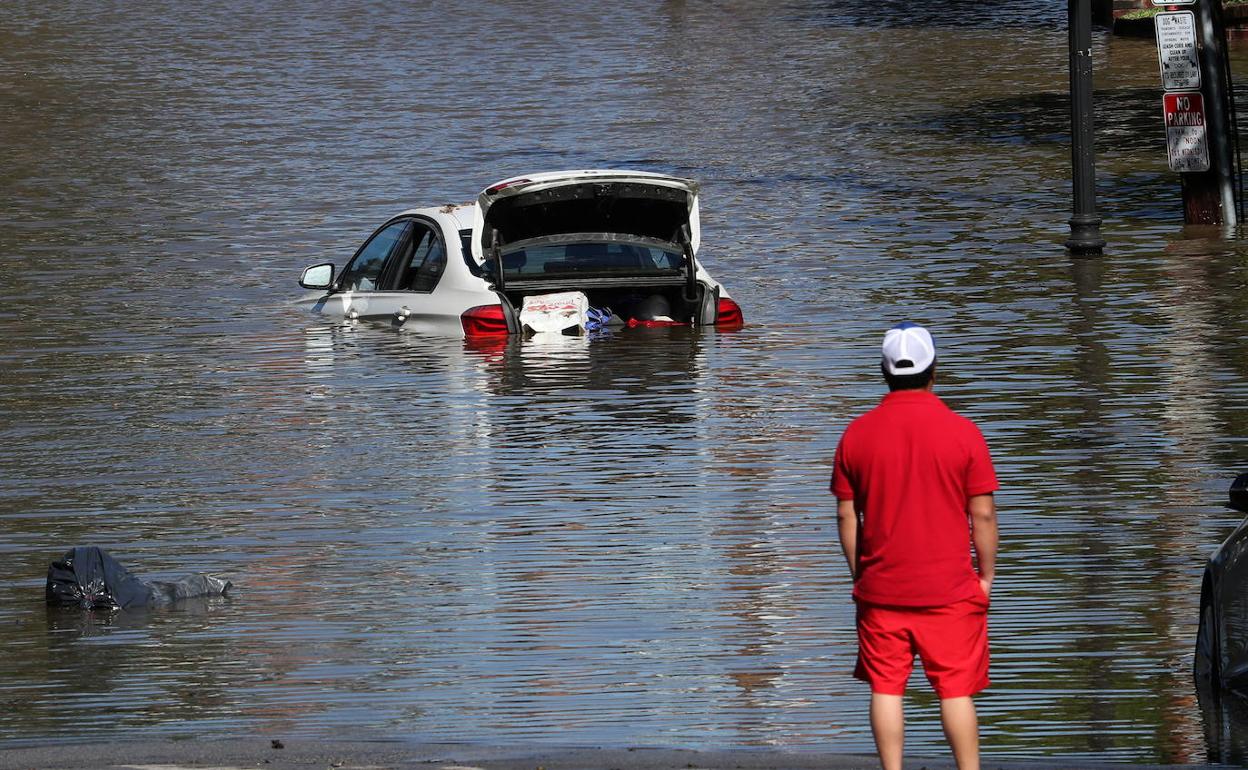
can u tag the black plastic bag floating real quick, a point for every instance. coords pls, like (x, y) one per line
(89, 578)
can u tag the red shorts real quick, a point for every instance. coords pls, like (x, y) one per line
(952, 642)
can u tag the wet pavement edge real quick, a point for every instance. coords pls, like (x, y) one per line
(357, 755)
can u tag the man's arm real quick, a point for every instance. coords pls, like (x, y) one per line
(983, 512)
(847, 525)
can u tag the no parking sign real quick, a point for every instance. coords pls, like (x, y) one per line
(1187, 141)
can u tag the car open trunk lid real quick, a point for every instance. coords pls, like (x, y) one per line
(641, 204)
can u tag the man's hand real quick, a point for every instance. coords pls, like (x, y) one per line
(986, 584)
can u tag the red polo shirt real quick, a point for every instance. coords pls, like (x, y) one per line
(910, 464)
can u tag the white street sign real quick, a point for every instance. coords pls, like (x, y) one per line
(1174, 2)
(1176, 51)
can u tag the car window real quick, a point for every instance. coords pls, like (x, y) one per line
(465, 245)
(580, 258)
(364, 271)
(427, 262)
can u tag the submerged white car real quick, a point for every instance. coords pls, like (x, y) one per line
(627, 240)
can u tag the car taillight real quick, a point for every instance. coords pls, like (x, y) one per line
(484, 321)
(504, 185)
(728, 315)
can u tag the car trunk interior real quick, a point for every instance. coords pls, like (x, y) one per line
(641, 303)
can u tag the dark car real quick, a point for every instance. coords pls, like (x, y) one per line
(1222, 639)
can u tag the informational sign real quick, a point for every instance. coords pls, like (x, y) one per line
(1176, 51)
(1174, 2)
(1187, 141)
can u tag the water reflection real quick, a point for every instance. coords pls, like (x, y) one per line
(86, 661)
(1225, 717)
(957, 13)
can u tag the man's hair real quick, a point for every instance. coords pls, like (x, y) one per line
(916, 381)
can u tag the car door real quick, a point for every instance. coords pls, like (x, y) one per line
(406, 283)
(363, 286)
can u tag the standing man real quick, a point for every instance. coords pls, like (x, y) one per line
(914, 485)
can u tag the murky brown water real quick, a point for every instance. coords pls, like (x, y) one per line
(618, 543)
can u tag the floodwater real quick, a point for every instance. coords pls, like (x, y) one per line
(621, 542)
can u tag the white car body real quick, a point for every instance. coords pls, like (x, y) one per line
(621, 237)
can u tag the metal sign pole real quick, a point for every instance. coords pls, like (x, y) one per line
(1085, 226)
(1213, 63)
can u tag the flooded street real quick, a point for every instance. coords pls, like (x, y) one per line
(620, 542)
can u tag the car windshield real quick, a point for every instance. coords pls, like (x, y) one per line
(581, 258)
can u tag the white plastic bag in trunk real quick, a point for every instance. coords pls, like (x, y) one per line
(562, 313)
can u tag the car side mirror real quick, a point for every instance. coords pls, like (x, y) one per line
(318, 276)
(1239, 493)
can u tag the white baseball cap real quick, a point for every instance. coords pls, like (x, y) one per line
(908, 349)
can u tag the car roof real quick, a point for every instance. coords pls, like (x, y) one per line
(462, 213)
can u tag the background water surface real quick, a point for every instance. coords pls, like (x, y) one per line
(622, 542)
